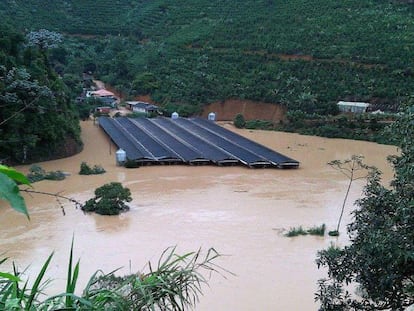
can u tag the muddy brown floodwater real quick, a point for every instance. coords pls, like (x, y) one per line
(240, 212)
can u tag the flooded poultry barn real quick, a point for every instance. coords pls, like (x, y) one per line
(188, 141)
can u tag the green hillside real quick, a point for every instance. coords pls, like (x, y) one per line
(305, 54)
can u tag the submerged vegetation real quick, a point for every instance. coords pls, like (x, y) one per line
(85, 169)
(316, 230)
(37, 173)
(109, 200)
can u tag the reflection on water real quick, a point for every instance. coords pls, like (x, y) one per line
(121, 177)
(111, 224)
(241, 212)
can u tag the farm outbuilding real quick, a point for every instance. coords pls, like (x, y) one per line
(353, 107)
(141, 107)
(188, 141)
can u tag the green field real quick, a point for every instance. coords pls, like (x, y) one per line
(304, 54)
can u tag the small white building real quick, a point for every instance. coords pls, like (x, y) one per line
(353, 107)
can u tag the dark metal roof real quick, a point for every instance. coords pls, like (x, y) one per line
(188, 141)
(243, 155)
(170, 141)
(274, 157)
(148, 141)
(209, 151)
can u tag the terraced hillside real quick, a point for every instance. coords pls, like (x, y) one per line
(304, 54)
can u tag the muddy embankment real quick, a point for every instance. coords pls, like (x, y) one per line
(251, 110)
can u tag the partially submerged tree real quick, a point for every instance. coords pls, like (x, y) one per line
(379, 261)
(354, 169)
(109, 200)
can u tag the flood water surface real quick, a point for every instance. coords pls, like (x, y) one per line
(241, 212)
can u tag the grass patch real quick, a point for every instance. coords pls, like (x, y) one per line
(296, 231)
(316, 230)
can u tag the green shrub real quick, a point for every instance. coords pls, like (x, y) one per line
(85, 169)
(109, 200)
(37, 173)
(239, 121)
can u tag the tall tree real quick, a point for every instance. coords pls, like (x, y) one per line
(379, 262)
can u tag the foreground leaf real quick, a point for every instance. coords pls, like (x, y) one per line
(15, 175)
(11, 193)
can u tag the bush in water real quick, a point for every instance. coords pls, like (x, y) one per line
(109, 200)
(85, 169)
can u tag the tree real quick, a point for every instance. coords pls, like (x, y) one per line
(350, 169)
(109, 200)
(44, 39)
(380, 258)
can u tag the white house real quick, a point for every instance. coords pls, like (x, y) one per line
(354, 107)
